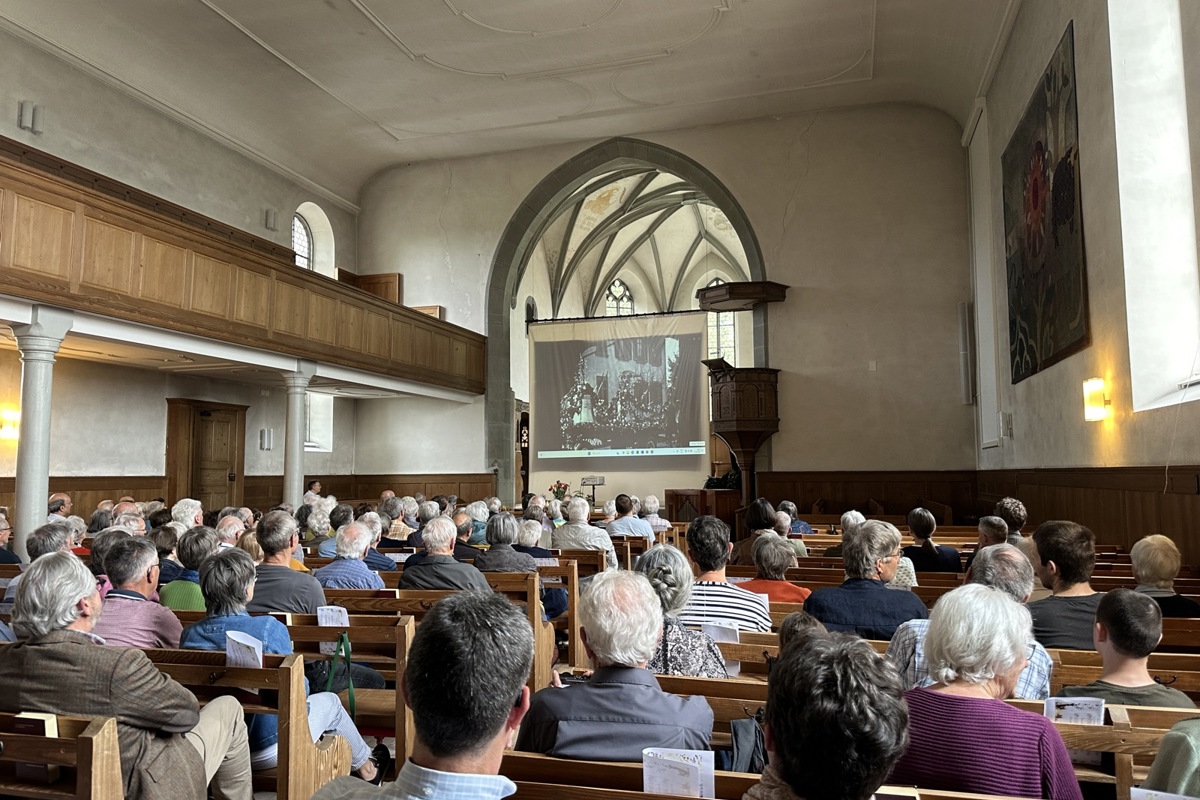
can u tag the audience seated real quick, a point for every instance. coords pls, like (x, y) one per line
(1128, 628)
(52, 537)
(529, 534)
(228, 530)
(500, 555)
(1156, 563)
(188, 512)
(577, 534)
(425, 513)
(863, 604)
(650, 508)
(312, 492)
(798, 525)
(1002, 567)
(166, 540)
(773, 557)
(439, 570)
(627, 523)
(835, 720)
(6, 556)
(348, 570)
(373, 558)
(620, 710)
(714, 600)
(680, 651)
(170, 747)
(1066, 556)
(183, 593)
(129, 616)
(227, 580)
(341, 515)
(278, 586)
(992, 530)
(795, 622)
(101, 518)
(760, 520)
(1013, 512)
(58, 507)
(783, 526)
(317, 523)
(610, 513)
(554, 512)
(848, 523)
(465, 526)
(479, 515)
(976, 647)
(924, 554)
(475, 640)
(248, 543)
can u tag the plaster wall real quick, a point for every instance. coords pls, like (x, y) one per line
(111, 420)
(419, 434)
(863, 212)
(98, 127)
(1047, 408)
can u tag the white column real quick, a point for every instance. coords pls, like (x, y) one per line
(293, 448)
(37, 342)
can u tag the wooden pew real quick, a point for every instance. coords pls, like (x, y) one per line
(590, 562)
(566, 576)
(304, 766)
(86, 750)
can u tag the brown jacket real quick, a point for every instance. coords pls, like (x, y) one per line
(65, 672)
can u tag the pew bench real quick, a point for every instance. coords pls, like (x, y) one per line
(86, 751)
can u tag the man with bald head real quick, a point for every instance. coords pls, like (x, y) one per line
(228, 530)
(58, 507)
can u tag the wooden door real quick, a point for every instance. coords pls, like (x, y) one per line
(214, 457)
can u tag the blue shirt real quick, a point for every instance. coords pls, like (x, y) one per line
(801, 527)
(631, 526)
(327, 548)
(348, 573)
(419, 783)
(378, 561)
(209, 634)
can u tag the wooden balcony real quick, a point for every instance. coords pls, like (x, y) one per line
(77, 240)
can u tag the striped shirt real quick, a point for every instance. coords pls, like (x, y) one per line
(721, 603)
(419, 783)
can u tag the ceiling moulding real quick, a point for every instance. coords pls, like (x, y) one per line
(742, 296)
(179, 115)
(599, 18)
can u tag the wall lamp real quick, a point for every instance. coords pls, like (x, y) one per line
(10, 423)
(1097, 405)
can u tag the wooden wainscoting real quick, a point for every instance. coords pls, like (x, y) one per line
(1120, 504)
(86, 493)
(75, 239)
(897, 491)
(264, 491)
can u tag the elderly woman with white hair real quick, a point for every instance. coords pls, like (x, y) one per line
(680, 651)
(976, 647)
(650, 509)
(863, 604)
(479, 514)
(848, 523)
(1156, 563)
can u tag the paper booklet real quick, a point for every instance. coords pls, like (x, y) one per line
(243, 650)
(1149, 794)
(724, 633)
(1078, 711)
(332, 617)
(36, 723)
(686, 773)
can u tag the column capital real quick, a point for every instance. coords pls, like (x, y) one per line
(297, 382)
(43, 334)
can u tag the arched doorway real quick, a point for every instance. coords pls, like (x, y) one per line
(616, 157)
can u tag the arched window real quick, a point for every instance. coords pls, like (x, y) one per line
(618, 300)
(721, 339)
(531, 313)
(302, 241)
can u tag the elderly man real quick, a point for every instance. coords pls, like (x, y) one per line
(627, 523)
(347, 570)
(472, 639)
(58, 507)
(6, 530)
(714, 600)
(863, 604)
(1156, 562)
(1066, 555)
(577, 534)
(278, 586)
(621, 709)
(439, 569)
(464, 526)
(375, 559)
(50, 538)
(848, 523)
(992, 531)
(1002, 567)
(188, 512)
(170, 748)
(426, 512)
(1128, 628)
(228, 530)
(132, 521)
(129, 617)
(835, 722)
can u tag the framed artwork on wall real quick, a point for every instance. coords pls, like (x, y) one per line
(1043, 224)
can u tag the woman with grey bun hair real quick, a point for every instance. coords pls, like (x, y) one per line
(680, 651)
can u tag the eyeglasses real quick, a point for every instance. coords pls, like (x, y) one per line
(6, 530)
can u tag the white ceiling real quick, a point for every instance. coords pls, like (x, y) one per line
(334, 91)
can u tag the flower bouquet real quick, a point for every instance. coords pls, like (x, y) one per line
(559, 489)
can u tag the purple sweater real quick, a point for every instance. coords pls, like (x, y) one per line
(966, 744)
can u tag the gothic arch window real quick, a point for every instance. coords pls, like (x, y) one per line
(618, 300)
(302, 242)
(531, 313)
(722, 341)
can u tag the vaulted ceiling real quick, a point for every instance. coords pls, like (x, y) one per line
(334, 91)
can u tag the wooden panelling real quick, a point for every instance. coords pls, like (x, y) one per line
(264, 491)
(109, 257)
(252, 300)
(41, 237)
(163, 274)
(437, 312)
(86, 493)
(898, 492)
(77, 240)
(212, 287)
(389, 286)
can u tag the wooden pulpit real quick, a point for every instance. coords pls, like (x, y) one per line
(745, 412)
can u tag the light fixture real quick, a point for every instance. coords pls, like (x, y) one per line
(10, 423)
(1096, 404)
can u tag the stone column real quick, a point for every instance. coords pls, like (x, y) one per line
(293, 448)
(38, 343)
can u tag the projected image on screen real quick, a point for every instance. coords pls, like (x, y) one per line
(629, 397)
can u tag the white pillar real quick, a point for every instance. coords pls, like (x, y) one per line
(293, 447)
(37, 342)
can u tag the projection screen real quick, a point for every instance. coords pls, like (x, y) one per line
(619, 393)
